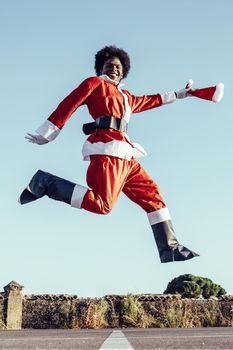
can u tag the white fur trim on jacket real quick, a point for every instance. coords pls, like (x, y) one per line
(157, 216)
(219, 92)
(120, 149)
(168, 97)
(127, 106)
(126, 102)
(48, 130)
(78, 195)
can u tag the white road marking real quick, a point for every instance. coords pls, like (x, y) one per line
(116, 341)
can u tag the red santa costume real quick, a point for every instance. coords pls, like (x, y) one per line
(113, 166)
(110, 151)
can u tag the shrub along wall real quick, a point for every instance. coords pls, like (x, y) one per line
(65, 311)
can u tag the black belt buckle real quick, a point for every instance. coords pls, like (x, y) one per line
(117, 124)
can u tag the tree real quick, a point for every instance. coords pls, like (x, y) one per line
(190, 286)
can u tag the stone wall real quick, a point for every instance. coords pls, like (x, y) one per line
(2, 324)
(11, 303)
(49, 311)
(149, 310)
(189, 313)
(62, 311)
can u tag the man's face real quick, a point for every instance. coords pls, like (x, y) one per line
(113, 69)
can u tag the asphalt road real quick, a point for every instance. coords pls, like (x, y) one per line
(118, 339)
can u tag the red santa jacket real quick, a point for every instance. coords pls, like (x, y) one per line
(103, 97)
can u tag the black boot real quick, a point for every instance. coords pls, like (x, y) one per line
(43, 184)
(168, 246)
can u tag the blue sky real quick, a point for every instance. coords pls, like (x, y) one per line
(48, 48)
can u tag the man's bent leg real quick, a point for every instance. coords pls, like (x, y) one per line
(105, 177)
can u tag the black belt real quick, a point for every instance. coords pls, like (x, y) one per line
(105, 123)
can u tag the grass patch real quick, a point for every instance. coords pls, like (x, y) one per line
(133, 313)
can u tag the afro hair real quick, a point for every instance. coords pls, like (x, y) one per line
(112, 51)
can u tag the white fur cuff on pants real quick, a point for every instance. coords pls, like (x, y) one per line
(157, 216)
(77, 196)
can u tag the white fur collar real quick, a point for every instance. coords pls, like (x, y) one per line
(106, 78)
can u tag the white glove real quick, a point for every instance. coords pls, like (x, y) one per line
(185, 92)
(38, 139)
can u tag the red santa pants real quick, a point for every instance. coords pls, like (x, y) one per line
(107, 176)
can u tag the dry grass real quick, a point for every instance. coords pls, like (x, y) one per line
(2, 325)
(133, 313)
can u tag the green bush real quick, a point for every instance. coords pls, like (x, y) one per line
(190, 286)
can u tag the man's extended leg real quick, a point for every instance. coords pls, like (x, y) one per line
(105, 177)
(44, 183)
(141, 189)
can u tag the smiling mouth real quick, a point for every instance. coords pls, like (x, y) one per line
(113, 76)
